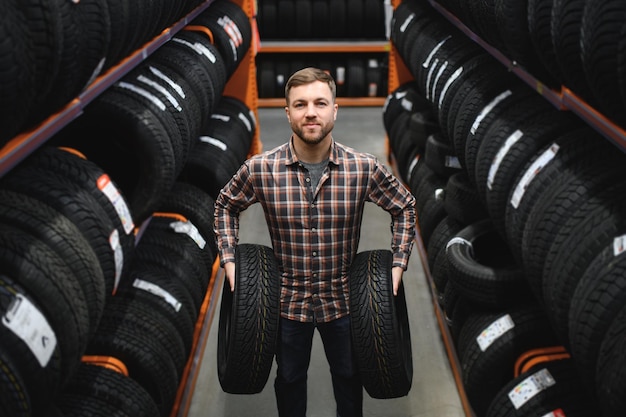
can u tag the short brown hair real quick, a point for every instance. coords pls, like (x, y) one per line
(308, 76)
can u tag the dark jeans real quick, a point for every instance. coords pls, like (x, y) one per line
(293, 356)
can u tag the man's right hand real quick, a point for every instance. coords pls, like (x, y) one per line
(229, 268)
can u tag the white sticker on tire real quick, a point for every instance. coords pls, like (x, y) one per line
(457, 240)
(485, 111)
(154, 289)
(115, 197)
(447, 85)
(530, 387)
(619, 245)
(530, 174)
(118, 255)
(452, 161)
(25, 320)
(497, 160)
(190, 230)
(494, 331)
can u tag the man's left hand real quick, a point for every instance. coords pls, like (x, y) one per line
(396, 275)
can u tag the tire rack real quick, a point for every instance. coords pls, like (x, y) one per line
(241, 85)
(325, 47)
(564, 99)
(23, 144)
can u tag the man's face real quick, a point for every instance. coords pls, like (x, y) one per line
(311, 112)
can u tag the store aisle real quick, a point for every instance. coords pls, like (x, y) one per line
(433, 393)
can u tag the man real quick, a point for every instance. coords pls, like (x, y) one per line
(313, 191)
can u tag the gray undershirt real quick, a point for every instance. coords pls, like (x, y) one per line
(316, 171)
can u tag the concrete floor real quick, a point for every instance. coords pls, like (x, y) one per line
(433, 393)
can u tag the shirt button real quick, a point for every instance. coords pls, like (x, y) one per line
(312, 205)
(314, 253)
(313, 229)
(308, 180)
(314, 275)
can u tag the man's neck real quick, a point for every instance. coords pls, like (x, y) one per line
(312, 154)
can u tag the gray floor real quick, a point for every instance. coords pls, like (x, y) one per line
(433, 393)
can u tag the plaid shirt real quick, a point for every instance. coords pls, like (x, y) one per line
(315, 233)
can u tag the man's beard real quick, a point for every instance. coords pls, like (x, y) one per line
(313, 140)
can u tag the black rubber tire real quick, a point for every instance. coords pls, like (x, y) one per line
(157, 252)
(432, 212)
(490, 343)
(232, 33)
(64, 237)
(602, 30)
(248, 322)
(14, 396)
(557, 386)
(568, 189)
(436, 251)
(95, 384)
(476, 105)
(538, 172)
(18, 78)
(546, 67)
(461, 201)
(146, 358)
(440, 157)
(610, 375)
(135, 316)
(158, 291)
(590, 228)
(93, 180)
(186, 243)
(196, 206)
(130, 142)
(506, 145)
(567, 16)
(489, 73)
(482, 268)
(508, 111)
(380, 327)
(65, 195)
(45, 276)
(596, 302)
(30, 371)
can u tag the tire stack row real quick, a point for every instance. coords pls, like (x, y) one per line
(53, 49)
(80, 282)
(143, 129)
(321, 19)
(356, 75)
(576, 44)
(523, 232)
(76, 284)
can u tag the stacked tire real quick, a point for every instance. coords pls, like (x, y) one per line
(321, 19)
(107, 252)
(356, 74)
(143, 128)
(563, 43)
(55, 49)
(522, 275)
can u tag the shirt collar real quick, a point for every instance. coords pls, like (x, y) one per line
(292, 158)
